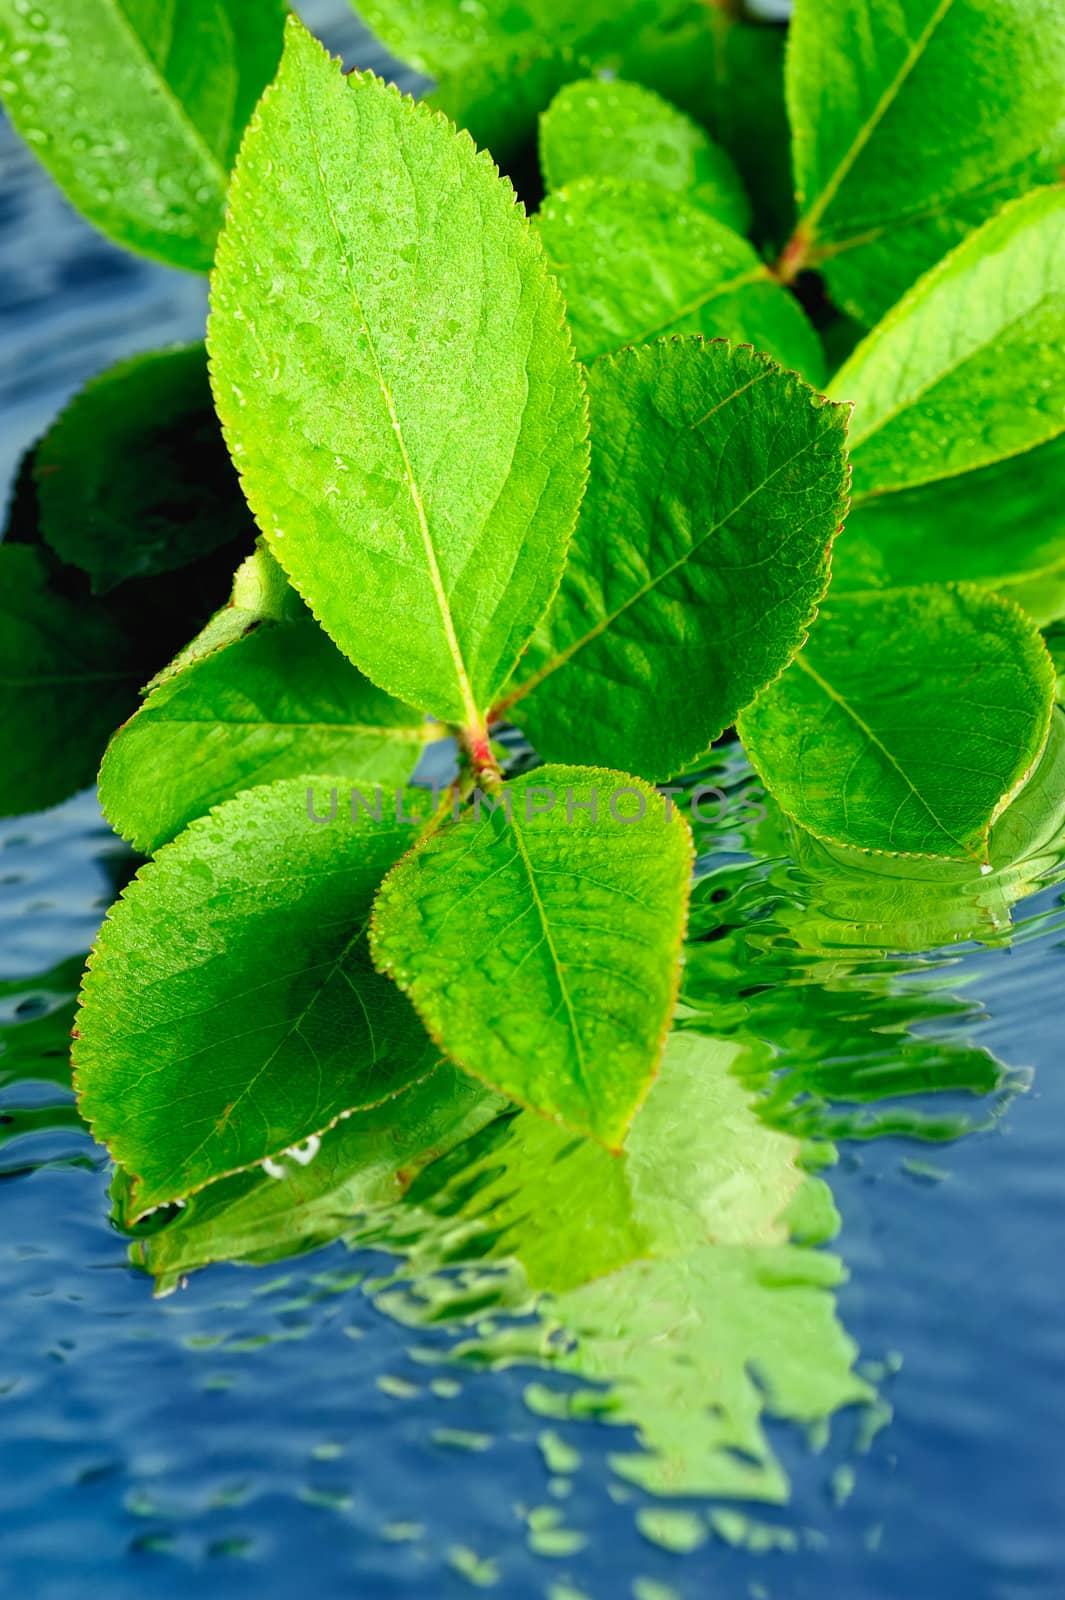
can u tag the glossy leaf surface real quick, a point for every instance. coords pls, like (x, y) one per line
(718, 482)
(635, 262)
(908, 721)
(967, 368)
(439, 37)
(137, 107)
(603, 128)
(913, 120)
(416, 436)
(541, 950)
(276, 703)
(230, 1010)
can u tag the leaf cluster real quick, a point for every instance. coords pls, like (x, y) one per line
(578, 474)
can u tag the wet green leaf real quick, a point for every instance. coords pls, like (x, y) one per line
(379, 258)
(261, 593)
(66, 678)
(367, 1162)
(540, 948)
(908, 722)
(663, 1276)
(911, 903)
(439, 37)
(276, 703)
(134, 478)
(967, 369)
(230, 1010)
(635, 262)
(600, 128)
(1002, 527)
(499, 102)
(913, 121)
(718, 481)
(137, 109)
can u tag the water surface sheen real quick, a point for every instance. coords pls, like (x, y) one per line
(448, 1390)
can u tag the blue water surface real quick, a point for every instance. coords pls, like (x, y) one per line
(268, 1432)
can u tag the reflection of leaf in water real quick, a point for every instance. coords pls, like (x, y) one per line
(698, 1349)
(809, 953)
(35, 1092)
(665, 1275)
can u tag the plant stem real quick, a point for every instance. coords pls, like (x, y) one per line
(476, 751)
(793, 258)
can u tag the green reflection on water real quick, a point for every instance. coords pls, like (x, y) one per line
(682, 1289)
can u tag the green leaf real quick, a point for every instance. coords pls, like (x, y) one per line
(366, 1162)
(740, 101)
(607, 129)
(1002, 527)
(635, 262)
(137, 107)
(261, 593)
(230, 1010)
(440, 38)
(134, 478)
(718, 481)
(908, 722)
(912, 903)
(912, 121)
(67, 676)
(540, 949)
(425, 514)
(967, 368)
(499, 102)
(278, 702)
(694, 1343)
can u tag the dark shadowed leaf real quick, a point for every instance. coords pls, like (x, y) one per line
(1002, 526)
(134, 479)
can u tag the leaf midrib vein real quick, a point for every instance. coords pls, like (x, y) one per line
(168, 94)
(812, 216)
(470, 710)
(555, 961)
(859, 721)
(564, 656)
